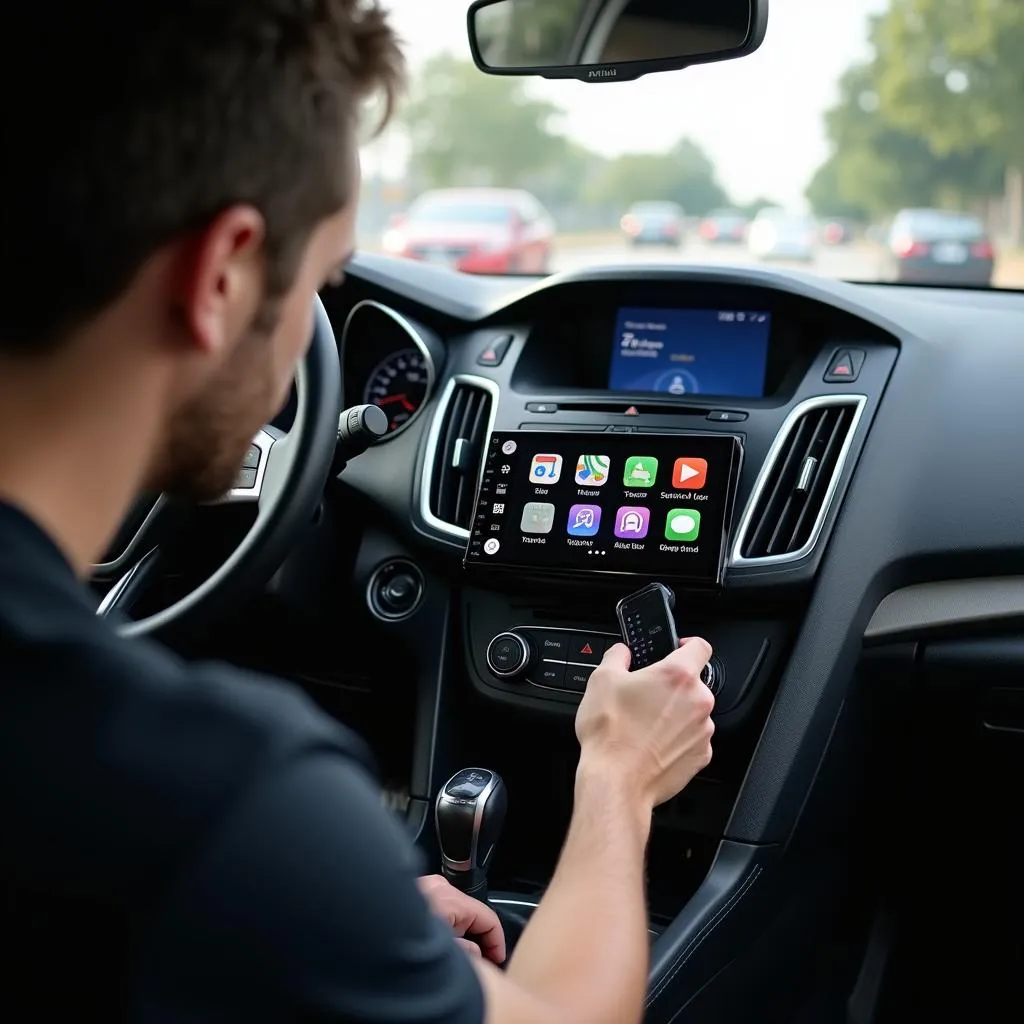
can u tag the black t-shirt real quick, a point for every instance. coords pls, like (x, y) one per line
(183, 843)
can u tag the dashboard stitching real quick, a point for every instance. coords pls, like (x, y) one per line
(691, 947)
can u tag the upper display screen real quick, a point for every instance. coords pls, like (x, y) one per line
(691, 352)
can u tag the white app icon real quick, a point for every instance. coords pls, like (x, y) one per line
(491, 546)
(509, 447)
(538, 517)
(545, 469)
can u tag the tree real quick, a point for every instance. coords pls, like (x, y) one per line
(755, 206)
(528, 33)
(684, 175)
(951, 72)
(877, 166)
(466, 128)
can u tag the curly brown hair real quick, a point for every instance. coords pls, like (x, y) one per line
(127, 126)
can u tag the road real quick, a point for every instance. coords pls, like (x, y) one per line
(856, 262)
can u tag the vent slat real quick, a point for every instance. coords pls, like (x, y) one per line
(784, 518)
(459, 452)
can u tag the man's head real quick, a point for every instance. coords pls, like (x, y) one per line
(188, 167)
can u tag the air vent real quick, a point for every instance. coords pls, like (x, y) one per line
(796, 486)
(458, 437)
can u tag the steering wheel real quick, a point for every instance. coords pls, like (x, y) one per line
(284, 477)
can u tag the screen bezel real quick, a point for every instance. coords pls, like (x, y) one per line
(533, 572)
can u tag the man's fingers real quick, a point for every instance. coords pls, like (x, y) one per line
(480, 921)
(690, 656)
(617, 656)
(470, 947)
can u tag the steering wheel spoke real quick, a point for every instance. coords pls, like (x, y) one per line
(120, 598)
(259, 468)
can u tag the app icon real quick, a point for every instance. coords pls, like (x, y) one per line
(546, 469)
(592, 470)
(682, 524)
(631, 522)
(509, 447)
(640, 471)
(690, 474)
(538, 517)
(491, 546)
(584, 520)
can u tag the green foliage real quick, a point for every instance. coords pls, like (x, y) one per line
(883, 158)
(684, 175)
(951, 71)
(466, 128)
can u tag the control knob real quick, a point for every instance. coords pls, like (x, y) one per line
(509, 655)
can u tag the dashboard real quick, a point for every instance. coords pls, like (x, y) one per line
(824, 473)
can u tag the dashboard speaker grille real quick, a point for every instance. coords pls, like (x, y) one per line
(459, 451)
(798, 483)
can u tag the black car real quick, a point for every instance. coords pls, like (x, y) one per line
(939, 247)
(654, 223)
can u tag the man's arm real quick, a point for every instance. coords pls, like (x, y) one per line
(583, 957)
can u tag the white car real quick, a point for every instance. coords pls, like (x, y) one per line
(779, 235)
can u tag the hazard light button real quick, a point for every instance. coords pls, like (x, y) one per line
(844, 366)
(586, 648)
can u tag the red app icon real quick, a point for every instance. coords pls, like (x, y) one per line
(690, 474)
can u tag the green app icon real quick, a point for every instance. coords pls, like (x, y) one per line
(641, 471)
(682, 524)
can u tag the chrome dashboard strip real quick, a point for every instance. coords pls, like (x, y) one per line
(796, 414)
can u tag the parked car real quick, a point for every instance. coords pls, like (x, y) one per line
(777, 234)
(476, 230)
(724, 227)
(837, 231)
(939, 247)
(654, 223)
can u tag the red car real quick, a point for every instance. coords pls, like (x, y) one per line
(476, 230)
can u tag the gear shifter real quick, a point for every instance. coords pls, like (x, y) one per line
(468, 816)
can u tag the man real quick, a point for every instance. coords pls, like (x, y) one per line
(187, 842)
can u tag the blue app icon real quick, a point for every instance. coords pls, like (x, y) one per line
(584, 520)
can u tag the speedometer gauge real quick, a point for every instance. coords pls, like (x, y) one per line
(399, 386)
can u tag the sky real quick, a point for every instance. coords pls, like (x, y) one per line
(759, 118)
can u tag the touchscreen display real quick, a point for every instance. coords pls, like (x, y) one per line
(691, 352)
(651, 504)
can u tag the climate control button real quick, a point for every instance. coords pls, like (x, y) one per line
(509, 655)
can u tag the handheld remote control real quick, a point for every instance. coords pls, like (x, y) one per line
(648, 628)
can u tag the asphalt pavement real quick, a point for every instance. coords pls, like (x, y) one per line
(855, 262)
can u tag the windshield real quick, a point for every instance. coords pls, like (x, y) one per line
(441, 212)
(890, 131)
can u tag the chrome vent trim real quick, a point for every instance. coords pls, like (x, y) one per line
(768, 475)
(434, 434)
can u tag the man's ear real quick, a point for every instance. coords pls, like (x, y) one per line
(221, 283)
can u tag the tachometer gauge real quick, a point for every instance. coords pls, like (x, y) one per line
(399, 386)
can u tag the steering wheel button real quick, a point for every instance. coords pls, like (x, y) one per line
(251, 460)
(246, 478)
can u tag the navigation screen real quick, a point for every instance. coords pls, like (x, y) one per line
(649, 504)
(691, 352)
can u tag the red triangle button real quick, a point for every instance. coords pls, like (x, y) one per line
(587, 649)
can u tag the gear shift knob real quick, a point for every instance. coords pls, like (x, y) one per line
(468, 816)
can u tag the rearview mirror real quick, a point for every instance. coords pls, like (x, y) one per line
(610, 40)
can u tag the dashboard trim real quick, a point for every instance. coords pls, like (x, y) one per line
(418, 342)
(433, 440)
(800, 410)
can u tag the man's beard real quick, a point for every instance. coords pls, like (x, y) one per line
(207, 441)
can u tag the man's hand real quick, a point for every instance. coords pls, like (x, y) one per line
(652, 728)
(466, 916)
